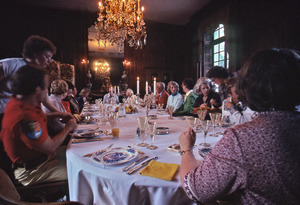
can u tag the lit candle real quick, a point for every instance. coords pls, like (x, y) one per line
(139, 7)
(137, 85)
(146, 87)
(154, 86)
(115, 89)
(118, 90)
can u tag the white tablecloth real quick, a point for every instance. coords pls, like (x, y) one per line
(93, 183)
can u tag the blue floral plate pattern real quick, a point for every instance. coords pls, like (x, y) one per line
(116, 155)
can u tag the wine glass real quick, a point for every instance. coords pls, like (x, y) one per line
(142, 124)
(152, 132)
(205, 124)
(213, 117)
(192, 122)
(202, 114)
(220, 123)
(171, 109)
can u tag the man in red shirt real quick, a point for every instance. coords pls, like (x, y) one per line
(35, 156)
(162, 94)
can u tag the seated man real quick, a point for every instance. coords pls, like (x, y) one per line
(110, 97)
(35, 156)
(232, 107)
(162, 94)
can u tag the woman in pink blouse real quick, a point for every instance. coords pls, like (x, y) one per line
(257, 162)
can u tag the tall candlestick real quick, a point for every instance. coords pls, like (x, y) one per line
(154, 86)
(118, 90)
(137, 85)
(146, 87)
(115, 89)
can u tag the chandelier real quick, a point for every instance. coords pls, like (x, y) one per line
(102, 69)
(120, 21)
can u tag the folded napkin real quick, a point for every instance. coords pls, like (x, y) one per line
(160, 170)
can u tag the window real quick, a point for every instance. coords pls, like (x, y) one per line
(220, 56)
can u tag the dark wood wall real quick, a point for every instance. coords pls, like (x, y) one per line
(172, 50)
(162, 56)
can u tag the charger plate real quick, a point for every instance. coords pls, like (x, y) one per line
(116, 155)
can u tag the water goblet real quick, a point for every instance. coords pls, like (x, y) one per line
(221, 123)
(142, 124)
(152, 132)
(171, 109)
(205, 124)
(192, 122)
(213, 118)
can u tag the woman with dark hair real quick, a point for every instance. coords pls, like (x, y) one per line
(207, 96)
(219, 75)
(189, 98)
(257, 162)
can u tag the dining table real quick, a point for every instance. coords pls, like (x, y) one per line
(93, 182)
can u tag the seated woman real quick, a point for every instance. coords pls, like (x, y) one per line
(189, 98)
(83, 97)
(131, 98)
(58, 90)
(175, 99)
(257, 162)
(207, 97)
(233, 108)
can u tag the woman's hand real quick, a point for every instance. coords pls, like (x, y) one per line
(187, 139)
(204, 105)
(229, 105)
(213, 102)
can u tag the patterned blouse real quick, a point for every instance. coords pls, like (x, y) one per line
(257, 163)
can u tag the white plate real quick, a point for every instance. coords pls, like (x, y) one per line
(116, 155)
(88, 134)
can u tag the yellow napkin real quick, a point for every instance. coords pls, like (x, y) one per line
(160, 170)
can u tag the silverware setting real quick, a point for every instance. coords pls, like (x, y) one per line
(134, 163)
(141, 165)
(91, 154)
(75, 141)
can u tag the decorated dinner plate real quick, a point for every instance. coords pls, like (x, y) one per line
(114, 156)
(89, 134)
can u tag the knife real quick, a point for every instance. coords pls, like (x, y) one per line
(134, 163)
(141, 165)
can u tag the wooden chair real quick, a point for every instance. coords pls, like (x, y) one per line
(9, 194)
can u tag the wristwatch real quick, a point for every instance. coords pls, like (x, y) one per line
(184, 151)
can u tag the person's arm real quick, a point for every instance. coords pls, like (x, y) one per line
(178, 103)
(188, 161)
(1, 72)
(49, 105)
(52, 144)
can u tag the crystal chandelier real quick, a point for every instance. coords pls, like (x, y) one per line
(102, 69)
(120, 20)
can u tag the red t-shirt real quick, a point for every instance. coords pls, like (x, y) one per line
(66, 104)
(24, 128)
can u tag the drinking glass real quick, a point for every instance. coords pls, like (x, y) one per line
(213, 118)
(192, 122)
(202, 114)
(205, 124)
(113, 119)
(220, 123)
(171, 109)
(152, 132)
(142, 124)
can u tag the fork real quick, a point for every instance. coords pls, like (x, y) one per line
(91, 154)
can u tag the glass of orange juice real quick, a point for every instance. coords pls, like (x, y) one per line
(115, 132)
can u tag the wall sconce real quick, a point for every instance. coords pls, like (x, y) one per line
(126, 63)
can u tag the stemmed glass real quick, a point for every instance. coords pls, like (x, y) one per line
(142, 124)
(205, 124)
(220, 123)
(152, 132)
(192, 122)
(171, 109)
(202, 114)
(213, 118)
